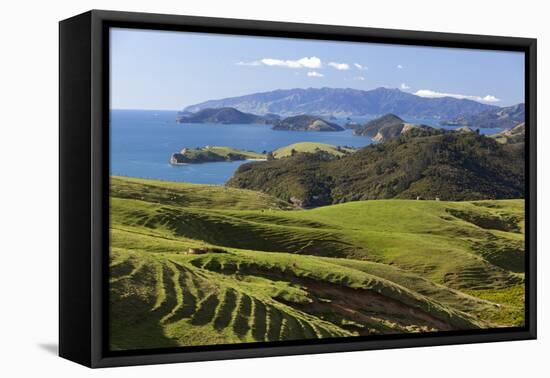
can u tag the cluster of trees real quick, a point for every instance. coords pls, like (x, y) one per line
(449, 166)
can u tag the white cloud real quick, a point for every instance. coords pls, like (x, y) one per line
(433, 94)
(360, 78)
(360, 66)
(399, 67)
(339, 66)
(314, 74)
(253, 63)
(311, 62)
(490, 98)
(404, 86)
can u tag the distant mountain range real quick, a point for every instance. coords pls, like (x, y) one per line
(345, 102)
(504, 118)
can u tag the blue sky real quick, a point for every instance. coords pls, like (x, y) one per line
(170, 70)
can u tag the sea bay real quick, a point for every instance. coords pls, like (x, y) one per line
(142, 141)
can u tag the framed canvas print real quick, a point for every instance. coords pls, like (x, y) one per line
(233, 188)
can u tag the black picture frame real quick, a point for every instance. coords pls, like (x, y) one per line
(84, 185)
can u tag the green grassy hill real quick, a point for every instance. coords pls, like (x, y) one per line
(312, 147)
(209, 154)
(260, 271)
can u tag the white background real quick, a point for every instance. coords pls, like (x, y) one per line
(29, 187)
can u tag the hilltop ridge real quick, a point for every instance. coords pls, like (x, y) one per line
(343, 102)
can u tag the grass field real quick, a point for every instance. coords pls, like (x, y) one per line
(311, 147)
(260, 270)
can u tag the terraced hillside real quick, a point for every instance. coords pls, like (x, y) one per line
(199, 265)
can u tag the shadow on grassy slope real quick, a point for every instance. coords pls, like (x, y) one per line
(360, 268)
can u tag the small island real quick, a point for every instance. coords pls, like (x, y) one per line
(306, 123)
(228, 116)
(224, 116)
(216, 154)
(211, 154)
(390, 127)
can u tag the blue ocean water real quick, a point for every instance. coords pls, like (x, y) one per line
(142, 142)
